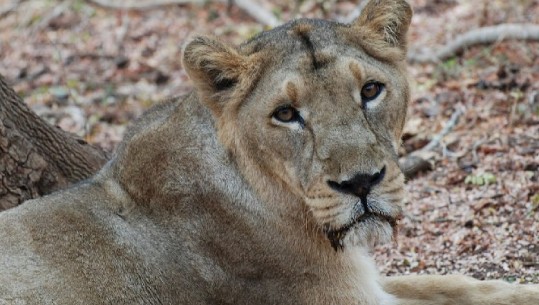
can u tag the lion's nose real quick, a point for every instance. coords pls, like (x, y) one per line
(360, 185)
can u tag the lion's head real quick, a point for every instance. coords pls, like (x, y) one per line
(319, 107)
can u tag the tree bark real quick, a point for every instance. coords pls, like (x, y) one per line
(35, 157)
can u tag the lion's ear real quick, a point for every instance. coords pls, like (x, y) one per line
(382, 27)
(214, 68)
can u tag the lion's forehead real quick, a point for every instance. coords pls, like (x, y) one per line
(319, 53)
(307, 45)
(292, 36)
(296, 79)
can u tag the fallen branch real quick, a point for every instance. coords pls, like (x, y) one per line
(412, 165)
(446, 130)
(415, 162)
(484, 35)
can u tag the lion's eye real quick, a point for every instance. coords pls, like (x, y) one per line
(371, 91)
(286, 114)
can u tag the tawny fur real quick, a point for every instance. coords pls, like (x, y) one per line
(211, 199)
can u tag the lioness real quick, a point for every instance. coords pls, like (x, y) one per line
(269, 184)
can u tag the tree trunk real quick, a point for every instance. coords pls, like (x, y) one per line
(35, 157)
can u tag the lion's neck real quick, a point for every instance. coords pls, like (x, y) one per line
(335, 277)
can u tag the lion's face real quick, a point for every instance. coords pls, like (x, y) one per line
(320, 113)
(331, 134)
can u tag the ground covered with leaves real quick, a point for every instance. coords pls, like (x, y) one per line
(92, 70)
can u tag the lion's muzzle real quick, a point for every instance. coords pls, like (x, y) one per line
(360, 185)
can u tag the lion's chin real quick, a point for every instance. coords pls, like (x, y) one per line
(366, 231)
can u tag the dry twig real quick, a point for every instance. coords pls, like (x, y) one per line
(139, 4)
(259, 13)
(484, 35)
(415, 162)
(252, 8)
(447, 129)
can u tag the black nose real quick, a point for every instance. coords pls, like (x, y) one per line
(360, 185)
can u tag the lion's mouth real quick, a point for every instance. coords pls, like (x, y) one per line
(336, 236)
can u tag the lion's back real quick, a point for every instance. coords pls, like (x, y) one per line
(24, 274)
(52, 252)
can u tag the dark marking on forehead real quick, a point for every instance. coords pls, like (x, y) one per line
(318, 60)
